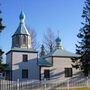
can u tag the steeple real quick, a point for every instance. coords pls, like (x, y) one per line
(21, 38)
(58, 43)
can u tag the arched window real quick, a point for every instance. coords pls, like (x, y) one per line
(24, 39)
(16, 40)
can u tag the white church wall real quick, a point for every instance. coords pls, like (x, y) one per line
(59, 65)
(8, 59)
(18, 65)
(57, 71)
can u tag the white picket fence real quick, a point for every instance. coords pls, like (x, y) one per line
(44, 85)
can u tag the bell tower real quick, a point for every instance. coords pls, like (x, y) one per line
(22, 58)
(21, 38)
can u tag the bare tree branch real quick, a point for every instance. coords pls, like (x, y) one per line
(49, 40)
(33, 35)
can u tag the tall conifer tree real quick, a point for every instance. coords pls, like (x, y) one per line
(83, 46)
(1, 52)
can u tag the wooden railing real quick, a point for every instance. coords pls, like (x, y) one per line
(43, 85)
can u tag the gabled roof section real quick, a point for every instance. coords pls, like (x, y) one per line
(56, 53)
(62, 53)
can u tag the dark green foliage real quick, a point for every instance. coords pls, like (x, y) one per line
(1, 52)
(1, 65)
(83, 47)
(42, 53)
(1, 26)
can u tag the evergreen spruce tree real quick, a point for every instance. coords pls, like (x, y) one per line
(1, 65)
(83, 46)
(1, 52)
(42, 53)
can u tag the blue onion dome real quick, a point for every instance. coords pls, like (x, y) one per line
(22, 16)
(58, 39)
(58, 43)
(22, 29)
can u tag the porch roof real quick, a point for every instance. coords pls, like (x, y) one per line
(44, 63)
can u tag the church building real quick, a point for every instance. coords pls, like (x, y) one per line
(22, 58)
(25, 64)
(57, 64)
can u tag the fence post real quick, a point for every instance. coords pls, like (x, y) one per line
(45, 84)
(0, 85)
(17, 84)
(87, 83)
(68, 84)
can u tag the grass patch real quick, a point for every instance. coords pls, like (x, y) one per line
(81, 89)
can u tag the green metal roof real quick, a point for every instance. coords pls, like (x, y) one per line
(44, 63)
(56, 53)
(29, 50)
(62, 53)
(22, 30)
(23, 49)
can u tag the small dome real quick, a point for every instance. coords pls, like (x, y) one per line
(58, 39)
(22, 15)
(58, 43)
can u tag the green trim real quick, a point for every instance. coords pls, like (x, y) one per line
(21, 51)
(65, 56)
(45, 66)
